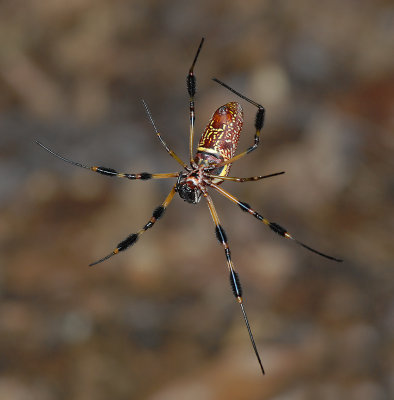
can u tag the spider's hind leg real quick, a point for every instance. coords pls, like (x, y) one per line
(258, 124)
(191, 89)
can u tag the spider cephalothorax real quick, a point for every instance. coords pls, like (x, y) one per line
(208, 169)
(189, 185)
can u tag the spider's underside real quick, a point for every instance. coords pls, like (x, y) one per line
(206, 170)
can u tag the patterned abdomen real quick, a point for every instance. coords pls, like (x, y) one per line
(220, 139)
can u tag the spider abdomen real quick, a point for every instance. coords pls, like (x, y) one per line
(220, 139)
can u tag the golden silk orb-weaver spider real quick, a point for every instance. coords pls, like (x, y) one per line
(207, 169)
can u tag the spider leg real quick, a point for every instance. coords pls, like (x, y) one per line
(110, 171)
(272, 225)
(191, 88)
(259, 122)
(169, 151)
(252, 178)
(132, 238)
(234, 278)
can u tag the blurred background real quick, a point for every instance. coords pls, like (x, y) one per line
(159, 321)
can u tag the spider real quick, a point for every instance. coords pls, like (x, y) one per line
(208, 168)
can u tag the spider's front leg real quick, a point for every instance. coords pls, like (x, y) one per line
(110, 171)
(234, 278)
(280, 230)
(132, 238)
